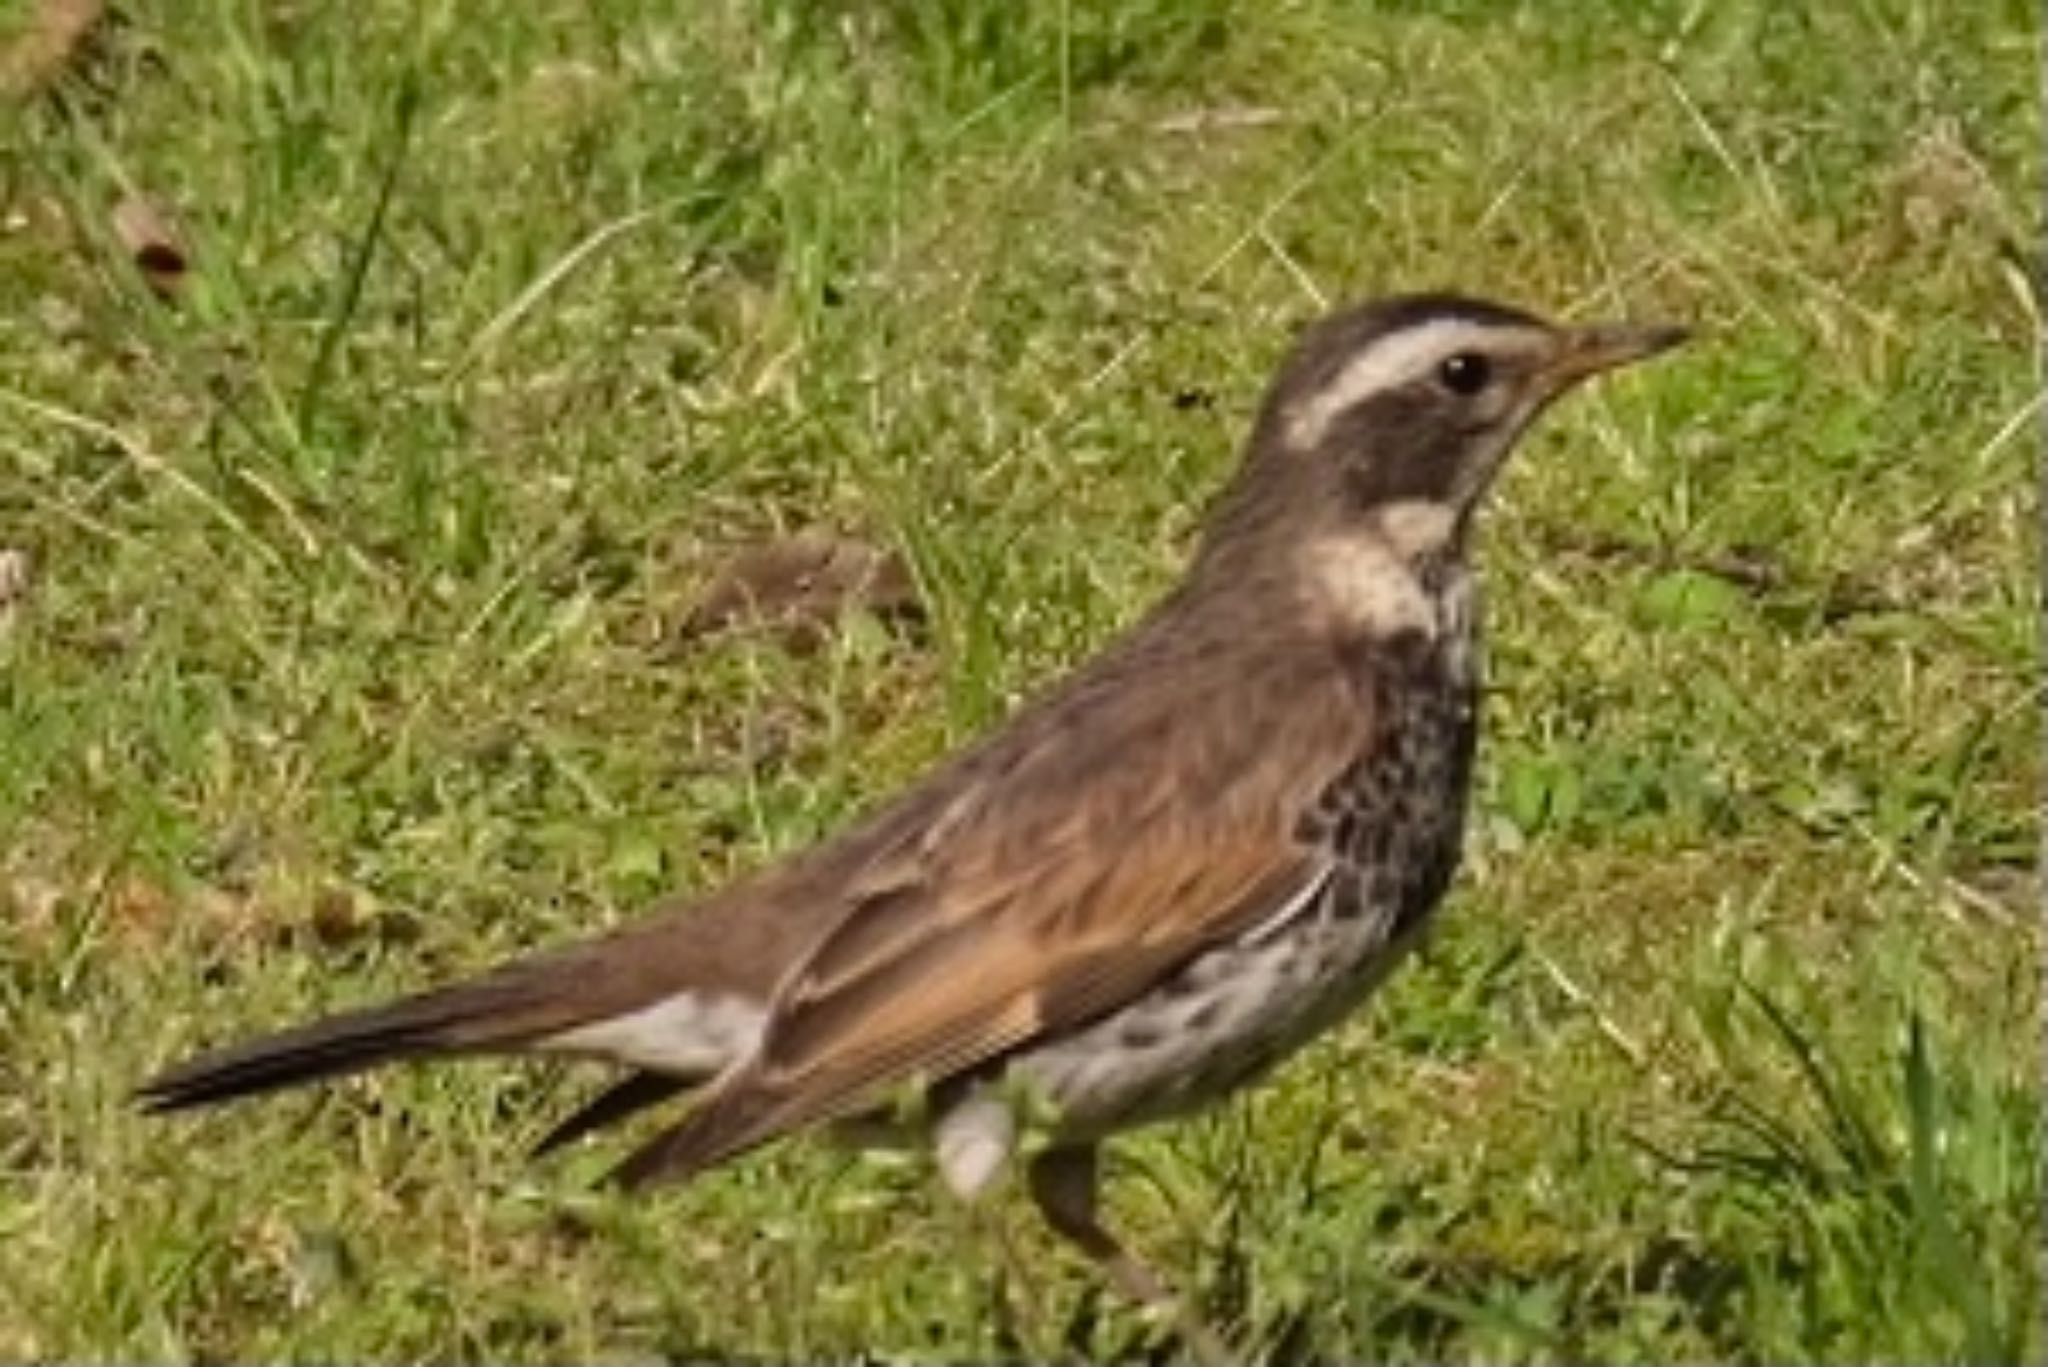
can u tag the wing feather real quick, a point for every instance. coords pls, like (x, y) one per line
(1061, 885)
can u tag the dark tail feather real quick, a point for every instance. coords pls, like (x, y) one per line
(635, 1092)
(732, 1120)
(473, 1016)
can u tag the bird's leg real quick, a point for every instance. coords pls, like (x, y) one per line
(975, 1135)
(1012, 1281)
(1065, 1183)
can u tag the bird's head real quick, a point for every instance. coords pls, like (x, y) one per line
(1413, 403)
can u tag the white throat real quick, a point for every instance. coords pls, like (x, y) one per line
(1368, 578)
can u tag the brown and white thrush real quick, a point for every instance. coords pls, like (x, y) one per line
(1157, 880)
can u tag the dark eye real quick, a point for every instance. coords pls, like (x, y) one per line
(1465, 373)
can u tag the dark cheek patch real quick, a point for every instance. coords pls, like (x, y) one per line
(1397, 447)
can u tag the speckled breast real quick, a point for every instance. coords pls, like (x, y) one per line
(1392, 823)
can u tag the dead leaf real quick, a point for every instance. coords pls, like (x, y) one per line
(798, 586)
(16, 570)
(139, 909)
(1939, 184)
(340, 917)
(145, 233)
(55, 32)
(30, 904)
(2005, 892)
(143, 914)
(335, 919)
(1220, 120)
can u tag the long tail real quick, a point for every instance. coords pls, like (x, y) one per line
(499, 1011)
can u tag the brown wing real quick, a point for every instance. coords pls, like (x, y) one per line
(1067, 881)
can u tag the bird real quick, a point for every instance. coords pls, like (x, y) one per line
(1156, 880)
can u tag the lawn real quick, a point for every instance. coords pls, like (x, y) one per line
(352, 514)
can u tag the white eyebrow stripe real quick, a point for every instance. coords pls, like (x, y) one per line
(1390, 361)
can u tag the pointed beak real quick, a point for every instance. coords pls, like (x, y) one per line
(1603, 346)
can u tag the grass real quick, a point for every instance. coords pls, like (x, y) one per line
(341, 666)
